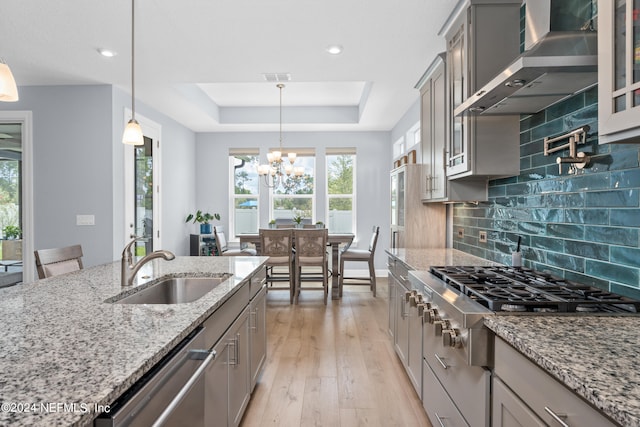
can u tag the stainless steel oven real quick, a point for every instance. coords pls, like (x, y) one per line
(458, 350)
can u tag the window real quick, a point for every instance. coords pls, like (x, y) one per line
(296, 195)
(341, 190)
(244, 217)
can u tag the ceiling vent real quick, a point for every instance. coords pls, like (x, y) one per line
(277, 77)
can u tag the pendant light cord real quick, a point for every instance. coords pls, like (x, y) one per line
(133, 85)
(280, 85)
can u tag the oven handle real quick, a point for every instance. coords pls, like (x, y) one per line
(439, 359)
(185, 389)
(439, 418)
(557, 417)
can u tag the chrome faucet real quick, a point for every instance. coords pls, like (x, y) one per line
(129, 269)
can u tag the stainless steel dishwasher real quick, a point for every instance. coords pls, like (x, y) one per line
(171, 394)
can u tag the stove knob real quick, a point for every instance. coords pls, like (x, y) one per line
(419, 298)
(421, 309)
(432, 315)
(441, 325)
(451, 338)
(407, 295)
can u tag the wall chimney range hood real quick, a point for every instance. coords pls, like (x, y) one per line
(559, 60)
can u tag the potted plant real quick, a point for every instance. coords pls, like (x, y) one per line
(12, 245)
(319, 224)
(203, 219)
(272, 223)
(297, 218)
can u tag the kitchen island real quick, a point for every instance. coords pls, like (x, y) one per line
(66, 354)
(594, 356)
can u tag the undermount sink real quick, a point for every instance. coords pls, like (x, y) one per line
(174, 290)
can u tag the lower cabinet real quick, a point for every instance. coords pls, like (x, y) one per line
(437, 404)
(258, 333)
(227, 388)
(528, 396)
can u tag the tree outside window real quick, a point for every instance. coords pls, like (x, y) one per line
(296, 194)
(244, 216)
(340, 193)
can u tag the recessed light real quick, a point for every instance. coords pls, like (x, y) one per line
(334, 49)
(106, 52)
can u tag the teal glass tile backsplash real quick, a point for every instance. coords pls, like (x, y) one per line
(584, 225)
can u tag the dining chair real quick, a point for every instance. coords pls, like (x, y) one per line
(361, 255)
(277, 244)
(310, 252)
(56, 261)
(223, 249)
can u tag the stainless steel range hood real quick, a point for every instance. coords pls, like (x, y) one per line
(560, 59)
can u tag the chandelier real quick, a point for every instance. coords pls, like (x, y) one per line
(276, 168)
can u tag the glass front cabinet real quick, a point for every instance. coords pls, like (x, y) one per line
(619, 71)
(482, 38)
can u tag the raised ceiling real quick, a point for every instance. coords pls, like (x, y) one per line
(202, 62)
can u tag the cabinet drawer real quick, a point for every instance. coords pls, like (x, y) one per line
(468, 386)
(543, 393)
(439, 408)
(400, 271)
(257, 281)
(509, 411)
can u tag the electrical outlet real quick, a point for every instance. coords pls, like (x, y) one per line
(460, 233)
(85, 220)
(483, 237)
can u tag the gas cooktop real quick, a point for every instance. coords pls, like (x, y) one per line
(508, 289)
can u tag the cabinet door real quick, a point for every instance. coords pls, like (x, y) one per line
(438, 146)
(401, 337)
(414, 353)
(509, 411)
(258, 332)
(239, 383)
(618, 71)
(426, 139)
(392, 304)
(458, 158)
(216, 393)
(394, 199)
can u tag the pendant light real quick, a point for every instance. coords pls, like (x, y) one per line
(274, 171)
(8, 89)
(133, 132)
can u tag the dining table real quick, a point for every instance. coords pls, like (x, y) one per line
(334, 240)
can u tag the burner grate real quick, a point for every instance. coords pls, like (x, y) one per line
(521, 289)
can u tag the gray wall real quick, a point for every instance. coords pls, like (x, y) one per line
(372, 168)
(78, 169)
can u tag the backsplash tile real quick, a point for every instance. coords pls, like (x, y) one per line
(583, 226)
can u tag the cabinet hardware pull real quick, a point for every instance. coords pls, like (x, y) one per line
(439, 418)
(254, 325)
(442, 362)
(557, 417)
(184, 390)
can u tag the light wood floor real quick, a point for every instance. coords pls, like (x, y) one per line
(332, 365)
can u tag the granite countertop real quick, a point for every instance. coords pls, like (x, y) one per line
(63, 350)
(423, 259)
(595, 356)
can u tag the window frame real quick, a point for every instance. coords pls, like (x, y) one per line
(328, 197)
(233, 153)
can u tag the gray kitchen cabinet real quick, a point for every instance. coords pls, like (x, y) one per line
(413, 224)
(435, 187)
(508, 410)
(258, 331)
(482, 39)
(227, 378)
(392, 300)
(618, 72)
(437, 404)
(527, 391)
(407, 333)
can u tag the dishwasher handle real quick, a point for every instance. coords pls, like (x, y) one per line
(186, 388)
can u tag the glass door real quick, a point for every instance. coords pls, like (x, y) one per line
(142, 189)
(143, 214)
(11, 260)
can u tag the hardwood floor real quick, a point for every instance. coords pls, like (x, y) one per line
(332, 365)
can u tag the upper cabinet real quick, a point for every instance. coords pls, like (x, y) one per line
(435, 187)
(483, 37)
(618, 71)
